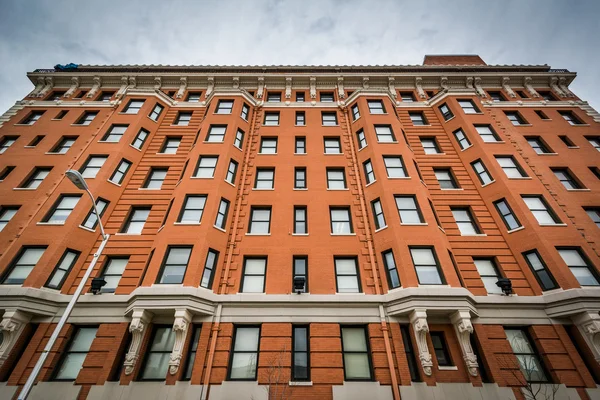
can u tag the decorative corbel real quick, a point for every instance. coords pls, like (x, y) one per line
(365, 82)
(132, 82)
(469, 82)
(157, 82)
(137, 327)
(182, 322)
(288, 87)
(392, 86)
(182, 87)
(236, 82)
(48, 84)
(420, 91)
(478, 88)
(527, 84)
(73, 88)
(38, 86)
(261, 87)
(340, 87)
(123, 88)
(463, 328)
(211, 85)
(554, 86)
(506, 86)
(11, 327)
(418, 320)
(589, 326)
(444, 82)
(313, 87)
(562, 83)
(95, 87)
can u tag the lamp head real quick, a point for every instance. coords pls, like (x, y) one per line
(299, 284)
(97, 284)
(505, 284)
(77, 179)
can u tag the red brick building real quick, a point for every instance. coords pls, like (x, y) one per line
(308, 232)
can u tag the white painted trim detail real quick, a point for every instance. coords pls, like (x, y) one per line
(418, 320)
(12, 325)
(139, 322)
(463, 328)
(181, 325)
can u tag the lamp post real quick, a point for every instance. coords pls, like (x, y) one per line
(79, 181)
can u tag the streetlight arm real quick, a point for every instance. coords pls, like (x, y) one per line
(97, 213)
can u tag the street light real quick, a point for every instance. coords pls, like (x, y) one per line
(79, 181)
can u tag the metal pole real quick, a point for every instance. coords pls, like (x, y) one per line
(40, 363)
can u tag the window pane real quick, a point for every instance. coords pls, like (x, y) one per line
(572, 258)
(71, 366)
(347, 284)
(354, 339)
(423, 256)
(243, 366)
(246, 339)
(428, 276)
(357, 366)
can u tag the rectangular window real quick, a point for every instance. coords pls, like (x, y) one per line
(300, 118)
(245, 111)
(355, 112)
(540, 210)
(32, 118)
(255, 270)
(5, 172)
(157, 356)
(86, 118)
(221, 219)
(566, 178)
(507, 214)
(529, 361)
(594, 141)
(540, 270)
(362, 140)
(391, 269)
(6, 142)
(22, 265)
(595, 171)
(133, 107)
(210, 264)
(410, 354)
(136, 221)
(260, 221)
(326, 97)
(271, 118)
(239, 139)
(299, 178)
(193, 97)
(329, 119)
(264, 178)
(356, 353)
(332, 145)
(482, 172)
(183, 118)
(592, 212)
(224, 107)
(91, 220)
(408, 209)
(300, 353)
(156, 111)
(394, 167)
(407, 97)
(62, 269)
(268, 145)
(488, 135)
(465, 221)
(376, 107)
(114, 134)
(462, 139)
(369, 173)
(192, 210)
(418, 118)
(496, 96)
(61, 114)
(446, 179)
(120, 172)
(216, 134)
(112, 273)
(378, 214)
(66, 142)
(92, 166)
(430, 146)
(341, 223)
(231, 172)
(580, 265)
(6, 214)
(446, 112)
(75, 354)
(191, 358)
(568, 142)
(571, 118)
(384, 134)
(244, 353)
(206, 167)
(171, 144)
(140, 139)
(538, 145)
(175, 264)
(511, 168)
(346, 275)
(300, 220)
(489, 274)
(426, 266)
(155, 178)
(301, 270)
(36, 178)
(468, 107)
(61, 209)
(300, 145)
(541, 114)
(515, 118)
(300, 97)
(336, 179)
(105, 97)
(273, 97)
(440, 348)
(36, 140)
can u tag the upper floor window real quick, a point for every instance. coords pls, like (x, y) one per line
(192, 210)
(75, 354)
(112, 272)
(210, 264)
(376, 106)
(244, 353)
(6, 214)
(540, 270)
(465, 221)
(183, 118)
(445, 178)
(489, 274)
(273, 97)
(224, 107)
(496, 96)
(418, 118)
(515, 118)
(206, 167)
(193, 97)
(175, 264)
(510, 167)
(120, 172)
(105, 96)
(239, 139)
(260, 220)
(384, 134)
(332, 145)
(6, 142)
(446, 112)
(156, 111)
(62, 269)
(133, 107)
(592, 212)
(36, 178)
(394, 167)
(216, 133)
(157, 356)
(329, 118)
(336, 179)
(529, 361)
(538, 145)
(299, 178)
(507, 214)
(355, 112)
(140, 139)
(407, 97)
(300, 353)
(92, 166)
(268, 145)
(391, 269)
(482, 172)
(579, 265)
(222, 212)
(369, 173)
(430, 146)
(245, 111)
(22, 265)
(300, 145)
(568, 142)
(91, 220)
(300, 220)
(231, 171)
(566, 178)
(115, 133)
(378, 214)
(171, 145)
(594, 141)
(540, 210)
(300, 118)
(362, 140)
(462, 139)
(468, 107)
(300, 97)
(426, 265)
(340, 220)
(408, 209)
(86, 118)
(487, 134)
(255, 272)
(155, 178)
(271, 118)
(346, 275)
(571, 118)
(264, 178)
(5, 172)
(326, 97)
(136, 220)
(356, 354)
(440, 348)
(542, 115)
(61, 209)
(36, 140)
(65, 143)
(32, 117)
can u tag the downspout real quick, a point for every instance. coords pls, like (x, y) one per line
(211, 354)
(372, 258)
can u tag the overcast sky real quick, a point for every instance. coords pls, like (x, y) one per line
(40, 34)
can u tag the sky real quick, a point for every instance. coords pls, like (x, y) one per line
(40, 33)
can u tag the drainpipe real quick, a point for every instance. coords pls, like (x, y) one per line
(211, 354)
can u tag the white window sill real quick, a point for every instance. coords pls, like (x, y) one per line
(343, 234)
(474, 235)
(362, 148)
(300, 383)
(442, 229)
(296, 125)
(301, 189)
(522, 125)
(213, 142)
(133, 147)
(86, 228)
(402, 177)
(573, 147)
(114, 183)
(127, 234)
(553, 224)
(370, 183)
(257, 234)
(201, 177)
(331, 126)
(239, 148)
(394, 142)
(419, 224)
(128, 113)
(187, 223)
(435, 154)
(51, 223)
(24, 188)
(226, 181)
(579, 124)
(578, 190)
(337, 190)
(149, 189)
(153, 120)
(547, 154)
(160, 229)
(267, 154)
(220, 229)
(523, 177)
(299, 154)
(49, 153)
(495, 142)
(380, 229)
(451, 189)
(448, 368)
(299, 234)
(466, 148)
(108, 141)
(489, 183)
(263, 189)
(516, 229)
(333, 154)
(449, 119)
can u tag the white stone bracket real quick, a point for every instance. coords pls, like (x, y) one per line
(211, 85)
(12, 325)
(48, 84)
(157, 82)
(38, 86)
(507, 88)
(527, 84)
(183, 318)
(420, 91)
(553, 83)
(589, 326)
(340, 87)
(288, 87)
(562, 83)
(95, 87)
(182, 87)
(137, 327)
(123, 88)
(418, 320)
(392, 87)
(313, 87)
(261, 87)
(478, 88)
(73, 88)
(463, 328)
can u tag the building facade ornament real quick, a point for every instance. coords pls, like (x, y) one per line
(139, 321)
(132, 82)
(73, 88)
(469, 82)
(392, 86)
(261, 87)
(38, 86)
(181, 325)
(236, 82)
(182, 87)
(12, 325)
(553, 82)
(123, 88)
(418, 320)
(478, 88)
(157, 82)
(562, 83)
(340, 87)
(507, 88)
(313, 87)
(288, 87)
(95, 87)
(589, 326)
(463, 328)
(211, 85)
(527, 84)
(420, 91)
(444, 82)
(48, 84)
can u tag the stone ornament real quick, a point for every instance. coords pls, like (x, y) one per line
(95, 87)
(182, 87)
(139, 322)
(12, 325)
(562, 83)
(478, 88)
(38, 86)
(589, 326)
(261, 87)
(313, 87)
(48, 84)
(366, 82)
(340, 86)
(444, 82)
(392, 87)
(418, 319)
(527, 84)
(553, 82)
(420, 91)
(463, 328)
(180, 327)
(469, 82)
(157, 82)
(236, 82)
(507, 88)
(73, 88)
(288, 88)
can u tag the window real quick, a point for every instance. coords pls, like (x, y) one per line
(268, 145)
(86, 118)
(260, 221)
(221, 219)
(340, 221)
(119, 174)
(592, 212)
(136, 221)
(378, 214)
(300, 353)
(482, 172)
(22, 265)
(299, 178)
(245, 111)
(496, 96)
(356, 353)
(515, 118)
(244, 354)
(193, 207)
(568, 142)
(571, 118)
(346, 275)
(62, 269)
(91, 220)
(465, 221)
(541, 114)
(92, 166)
(170, 145)
(75, 355)
(430, 146)
(408, 209)
(105, 96)
(115, 133)
(231, 172)
(155, 178)
(112, 272)
(6, 214)
(390, 268)
(239, 139)
(329, 119)
(362, 140)
(566, 178)
(133, 107)
(510, 167)
(36, 140)
(540, 270)
(489, 274)
(61, 209)
(384, 134)
(208, 275)
(440, 349)
(300, 145)
(193, 97)
(273, 97)
(376, 106)
(326, 97)
(300, 118)
(426, 266)
(418, 118)
(156, 111)
(332, 145)
(224, 107)
(6, 142)
(216, 134)
(595, 171)
(32, 118)
(594, 141)
(254, 277)
(271, 118)
(6, 171)
(407, 97)
(507, 215)
(355, 112)
(300, 97)
(264, 178)
(369, 173)
(446, 112)
(529, 361)
(191, 358)
(446, 179)
(301, 270)
(579, 265)
(468, 107)
(174, 265)
(462, 139)
(394, 167)
(300, 220)
(159, 351)
(64, 145)
(487, 133)
(336, 179)
(36, 178)
(540, 210)
(183, 118)
(206, 167)
(410, 353)
(140, 139)
(548, 96)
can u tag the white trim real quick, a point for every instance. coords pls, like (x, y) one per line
(520, 228)
(448, 368)
(561, 224)
(416, 224)
(489, 183)
(380, 229)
